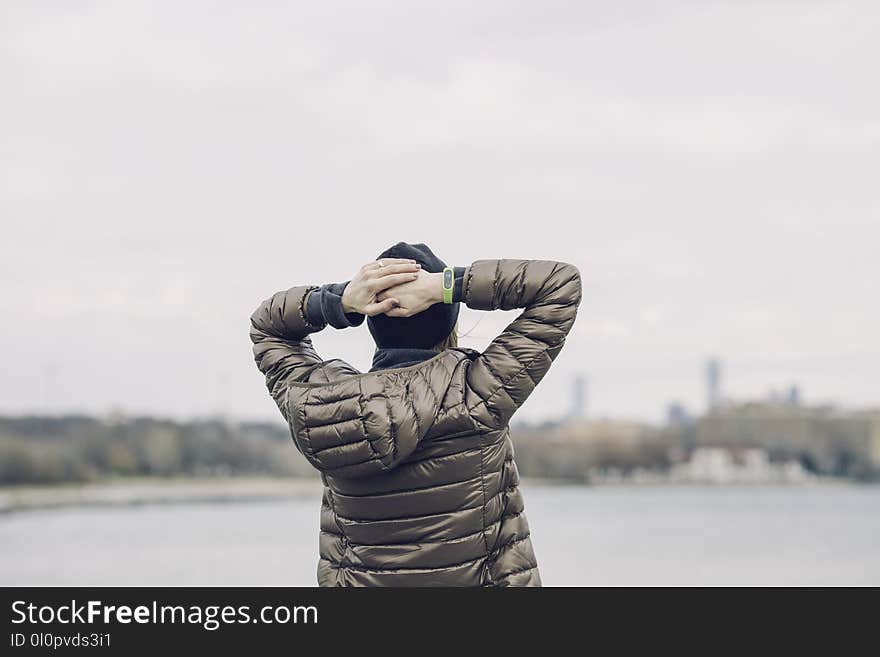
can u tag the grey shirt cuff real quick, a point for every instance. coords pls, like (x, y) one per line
(325, 307)
(459, 280)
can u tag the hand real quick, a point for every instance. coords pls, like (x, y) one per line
(414, 296)
(372, 279)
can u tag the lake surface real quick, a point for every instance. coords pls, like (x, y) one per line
(819, 535)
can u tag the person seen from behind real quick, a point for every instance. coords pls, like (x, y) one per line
(420, 484)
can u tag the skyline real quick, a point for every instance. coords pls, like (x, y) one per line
(707, 166)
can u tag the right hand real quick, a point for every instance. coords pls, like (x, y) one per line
(415, 296)
(374, 278)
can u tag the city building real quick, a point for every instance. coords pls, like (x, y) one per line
(713, 384)
(830, 440)
(579, 398)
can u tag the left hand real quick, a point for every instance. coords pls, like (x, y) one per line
(361, 293)
(415, 296)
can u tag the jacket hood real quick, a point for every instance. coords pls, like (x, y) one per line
(365, 424)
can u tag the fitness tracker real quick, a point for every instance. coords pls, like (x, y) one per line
(448, 284)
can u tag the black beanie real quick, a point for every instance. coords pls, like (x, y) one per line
(425, 329)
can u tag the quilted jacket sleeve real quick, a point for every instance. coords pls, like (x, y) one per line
(506, 373)
(282, 349)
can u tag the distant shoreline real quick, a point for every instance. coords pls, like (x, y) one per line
(155, 491)
(145, 491)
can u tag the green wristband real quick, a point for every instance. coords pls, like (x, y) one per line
(448, 284)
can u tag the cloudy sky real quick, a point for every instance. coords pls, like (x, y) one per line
(711, 167)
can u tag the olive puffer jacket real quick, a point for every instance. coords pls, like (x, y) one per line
(420, 487)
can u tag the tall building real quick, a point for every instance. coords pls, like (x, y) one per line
(713, 383)
(579, 398)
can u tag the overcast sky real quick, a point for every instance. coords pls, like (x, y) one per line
(711, 167)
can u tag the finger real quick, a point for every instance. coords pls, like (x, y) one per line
(380, 307)
(384, 282)
(388, 269)
(409, 267)
(395, 261)
(384, 262)
(386, 293)
(398, 311)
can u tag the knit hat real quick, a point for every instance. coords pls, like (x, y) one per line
(425, 329)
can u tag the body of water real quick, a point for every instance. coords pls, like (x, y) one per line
(819, 535)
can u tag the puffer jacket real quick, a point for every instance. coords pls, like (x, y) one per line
(420, 486)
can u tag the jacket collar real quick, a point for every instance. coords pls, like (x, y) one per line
(387, 358)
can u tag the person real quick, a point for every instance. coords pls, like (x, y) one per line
(420, 484)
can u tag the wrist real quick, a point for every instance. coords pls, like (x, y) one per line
(436, 287)
(324, 306)
(347, 305)
(448, 284)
